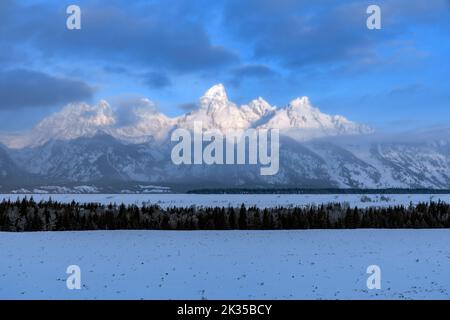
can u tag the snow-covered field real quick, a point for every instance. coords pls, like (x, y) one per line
(260, 200)
(320, 264)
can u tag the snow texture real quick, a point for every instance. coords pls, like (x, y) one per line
(236, 200)
(319, 264)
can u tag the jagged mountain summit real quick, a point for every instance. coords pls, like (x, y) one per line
(302, 121)
(95, 146)
(299, 119)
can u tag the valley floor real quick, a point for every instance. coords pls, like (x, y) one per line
(304, 264)
(235, 200)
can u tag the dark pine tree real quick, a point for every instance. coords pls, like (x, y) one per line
(243, 218)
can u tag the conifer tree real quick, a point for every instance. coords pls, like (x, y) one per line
(232, 218)
(243, 218)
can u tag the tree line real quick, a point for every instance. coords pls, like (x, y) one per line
(386, 191)
(28, 215)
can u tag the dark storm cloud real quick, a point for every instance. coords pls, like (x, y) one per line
(24, 88)
(301, 33)
(298, 35)
(139, 34)
(250, 71)
(156, 80)
(176, 37)
(275, 48)
(254, 70)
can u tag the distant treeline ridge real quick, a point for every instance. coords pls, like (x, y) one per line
(317, 191)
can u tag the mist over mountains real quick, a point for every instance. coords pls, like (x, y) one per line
(95, 146)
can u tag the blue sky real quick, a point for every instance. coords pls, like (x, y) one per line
(172, 51)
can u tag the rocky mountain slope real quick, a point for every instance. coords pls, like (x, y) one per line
(90, 145)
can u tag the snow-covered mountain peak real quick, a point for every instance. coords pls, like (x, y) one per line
(216, 111)
(257, 110)
(216, 92)
(215, 99)
(302, 104)
(80, 115)
(261, 106)
(302, 121)
(141, 121)
(145, 122)
(74, 121)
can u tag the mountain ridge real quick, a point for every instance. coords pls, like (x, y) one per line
(317, 150)
(215, 111)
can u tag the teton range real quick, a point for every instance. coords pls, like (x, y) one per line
(89, 145)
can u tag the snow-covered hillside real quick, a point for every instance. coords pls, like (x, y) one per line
(313, 264)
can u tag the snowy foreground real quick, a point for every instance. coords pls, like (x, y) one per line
(320, 264)
(235, 200)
